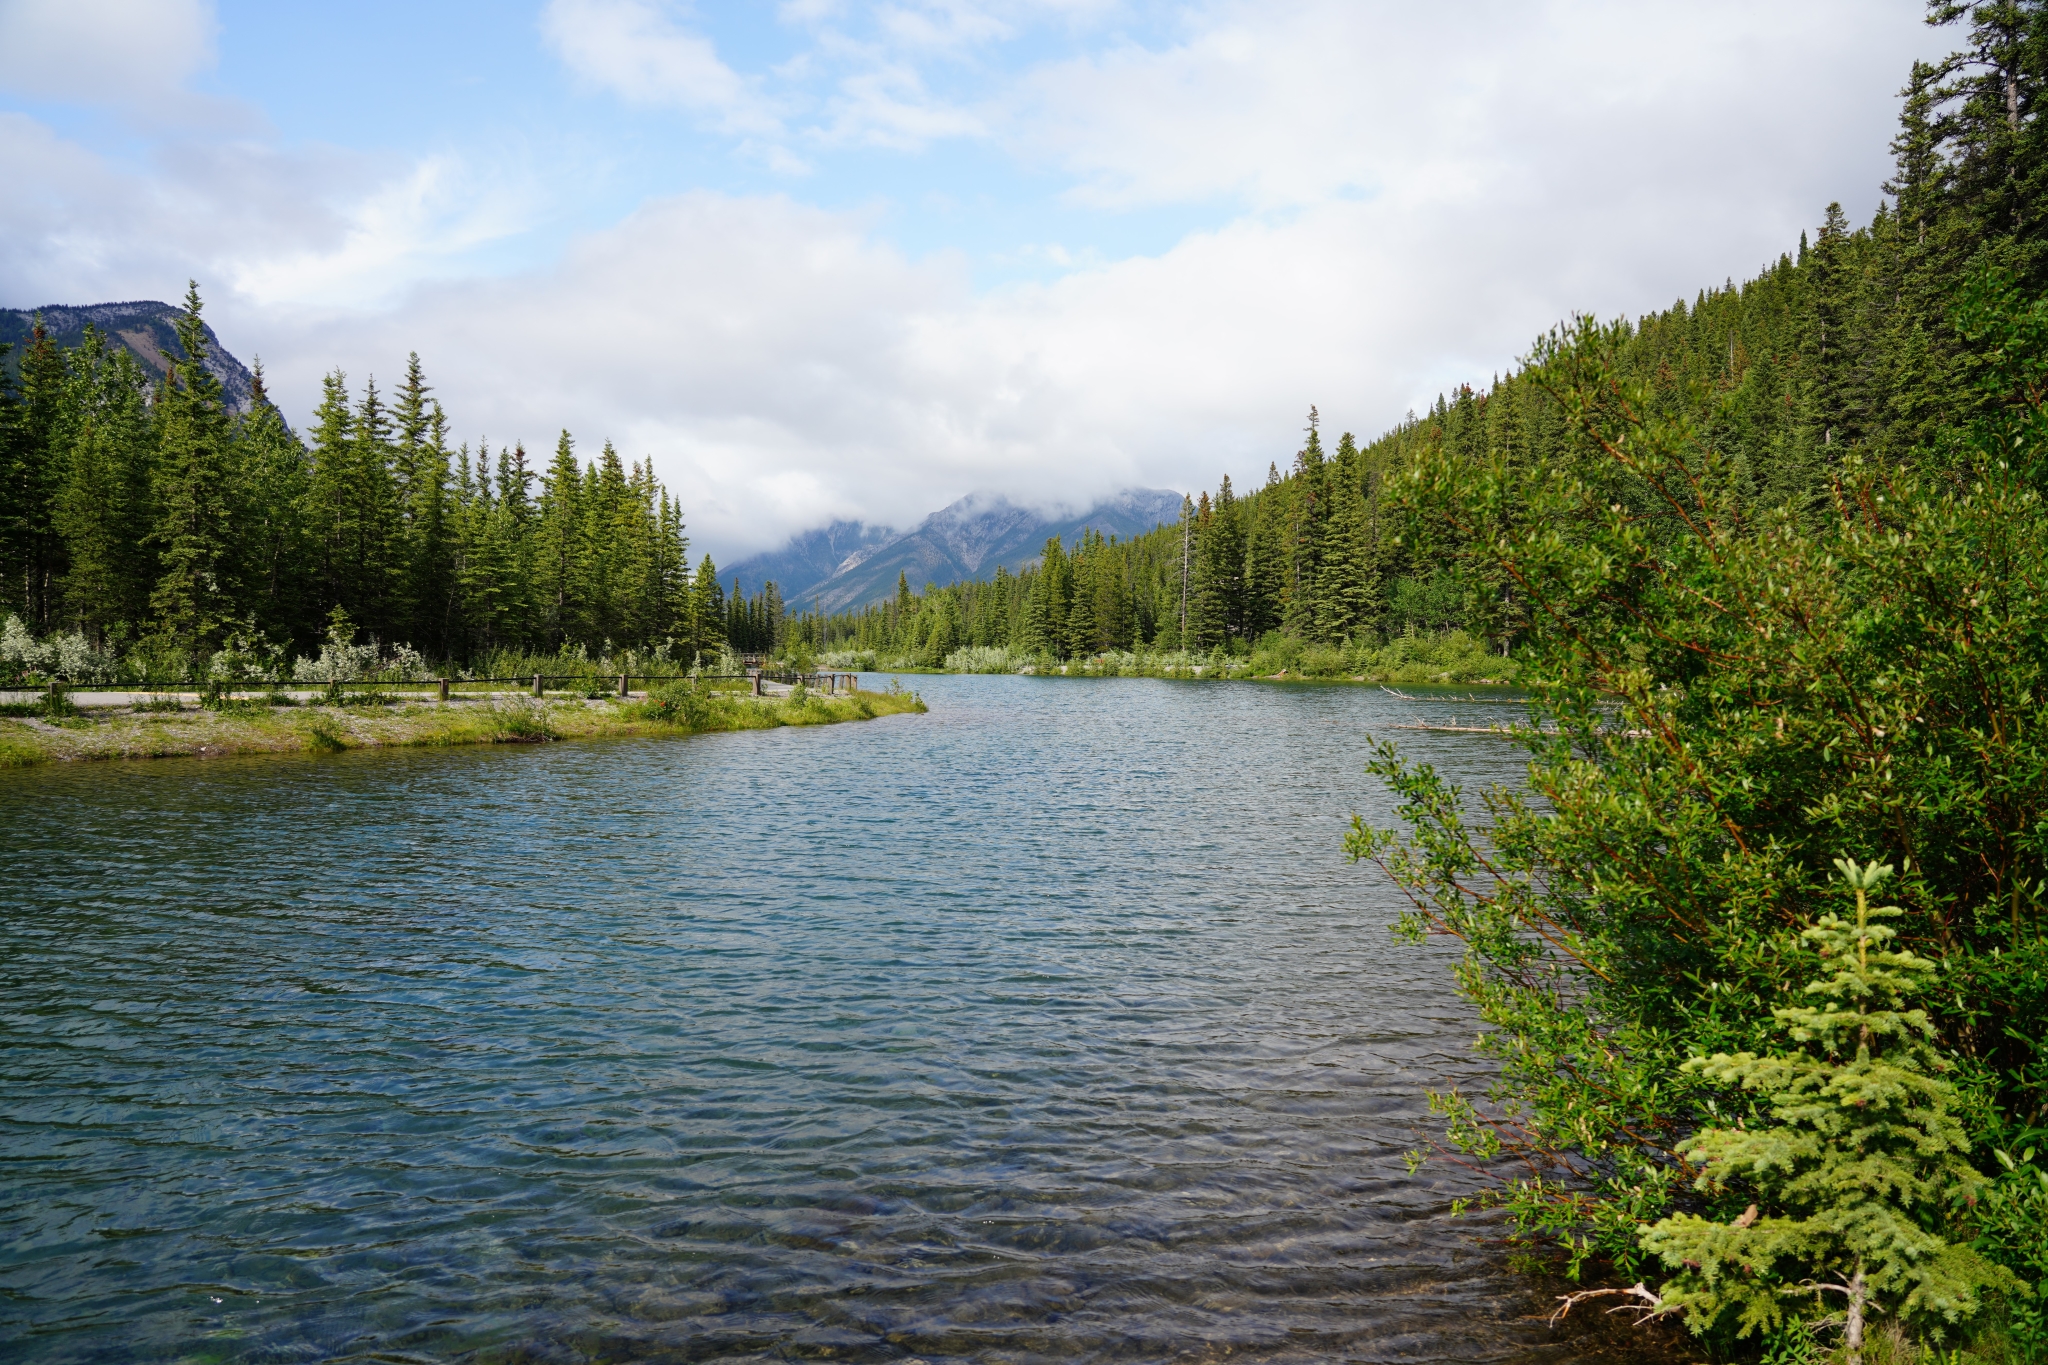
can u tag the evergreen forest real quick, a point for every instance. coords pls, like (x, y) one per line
(150, 531)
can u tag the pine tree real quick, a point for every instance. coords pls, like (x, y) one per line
(352, 509)
(103, 509)
(1045, 618)
(37, 477)
(420, 480)
(274, 549)
(1832, 408)
(707, 613)
(1347, 590)
(1853, 1158)
(1208, 584)
(559, 549)
(1998, 147)
(193, 599)
(1081, 634)
(1305, 535)
(1265, 573)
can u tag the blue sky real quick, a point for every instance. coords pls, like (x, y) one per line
(824, 258)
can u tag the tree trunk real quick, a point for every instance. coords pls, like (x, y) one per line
(1852, 1334)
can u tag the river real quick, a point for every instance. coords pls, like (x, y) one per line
(1049, 1026)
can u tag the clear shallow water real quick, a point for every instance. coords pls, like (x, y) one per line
(1049, 1026)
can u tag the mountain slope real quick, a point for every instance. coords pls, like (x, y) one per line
(968, 539)
(145, 327)
(813, 557)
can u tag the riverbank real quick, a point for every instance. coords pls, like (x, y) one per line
(183, 729)
(1452, 659)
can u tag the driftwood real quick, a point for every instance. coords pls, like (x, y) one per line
(1649, 1305)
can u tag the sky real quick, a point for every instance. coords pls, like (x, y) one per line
(822, 259)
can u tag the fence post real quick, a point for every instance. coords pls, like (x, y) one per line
(444, 689)
(757, 684)
(622, 684)
(536, 685)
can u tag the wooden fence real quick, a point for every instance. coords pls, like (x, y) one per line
(747, 681)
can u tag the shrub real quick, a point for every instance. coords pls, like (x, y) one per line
(685, 704)
(523, 721)
(1854, 1154)
(323, 734)
(980, 659)
(1729, 699)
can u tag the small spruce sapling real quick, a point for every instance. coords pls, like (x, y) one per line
(1853, 1169)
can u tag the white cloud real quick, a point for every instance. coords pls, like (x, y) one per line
(1285, 105)
(260, 227)
(634, 49)
(887, 105)
(132, 54)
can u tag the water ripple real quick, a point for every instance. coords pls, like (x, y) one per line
(1048, 1026)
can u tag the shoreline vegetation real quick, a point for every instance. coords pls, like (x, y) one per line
(249, 722)
(1449, 658)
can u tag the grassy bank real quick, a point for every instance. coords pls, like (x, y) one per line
(170, 730)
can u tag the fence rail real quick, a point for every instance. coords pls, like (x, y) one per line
(751, 679)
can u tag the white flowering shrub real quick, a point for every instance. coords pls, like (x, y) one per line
(339, 662)
(246, 658)
(71, 657)
(980, 659)
(75, 659)
(406, 664)
(19, 652)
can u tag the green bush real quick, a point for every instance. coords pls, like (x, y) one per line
(48, 706)
(684, 704)
(1728, 698)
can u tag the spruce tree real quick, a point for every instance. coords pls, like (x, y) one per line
(707, 612)
(38, 476)
(1081, 634)
(103, 507)
(377, 547)
(559, 557)
(193, 599)
(420, 483)
(1854, 1155)
(1224, 548)
(1305, 535)
(1265, 573)
(274, 548)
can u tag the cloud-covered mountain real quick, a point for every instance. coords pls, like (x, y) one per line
(145, 327)
(813, 557)
(847, 564)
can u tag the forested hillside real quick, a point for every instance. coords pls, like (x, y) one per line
(149, 529)
(1757, 945)
(1845, 344)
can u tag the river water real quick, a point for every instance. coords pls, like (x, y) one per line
(1049, 1026)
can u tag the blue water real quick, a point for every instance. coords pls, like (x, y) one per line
(1050, 1025)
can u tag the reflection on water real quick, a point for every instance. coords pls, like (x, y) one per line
(1048, 1026)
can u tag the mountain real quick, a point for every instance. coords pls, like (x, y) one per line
(145, 327)
(968, 539)
(813, 557)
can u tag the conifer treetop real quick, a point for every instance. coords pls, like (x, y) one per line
(1860, 1159)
